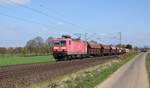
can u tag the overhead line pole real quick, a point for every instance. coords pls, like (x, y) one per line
(86, 41)
(120, 38)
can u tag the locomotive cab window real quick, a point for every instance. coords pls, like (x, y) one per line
(56, 43)
(63, 43)
(60, 43)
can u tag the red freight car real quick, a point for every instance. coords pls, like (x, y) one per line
(118, 51)
(68, 48)
(106, 49)
(94, 49)
(113, 50)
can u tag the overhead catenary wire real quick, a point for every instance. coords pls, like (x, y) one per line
(28, 21)
(46, 26)
(47, 15)
(22, 19)
(109, 36)
(63, 17)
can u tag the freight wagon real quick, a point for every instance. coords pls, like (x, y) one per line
(94, 49)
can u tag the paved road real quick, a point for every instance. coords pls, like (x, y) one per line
(131, 75)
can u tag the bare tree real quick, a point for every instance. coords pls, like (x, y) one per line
(3, 50)
(35, 46)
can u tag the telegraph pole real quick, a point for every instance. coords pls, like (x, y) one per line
(85, 41)
(85, 36)
(120, 38)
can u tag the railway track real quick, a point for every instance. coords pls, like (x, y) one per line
(23, 75)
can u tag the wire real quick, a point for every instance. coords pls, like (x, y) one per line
(61, 15)
(25, 20)
(42, 13)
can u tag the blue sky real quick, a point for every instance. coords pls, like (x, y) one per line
(131, 17)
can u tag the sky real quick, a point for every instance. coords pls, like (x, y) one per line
(102, 20)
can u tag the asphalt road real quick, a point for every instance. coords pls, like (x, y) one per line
(131, 75)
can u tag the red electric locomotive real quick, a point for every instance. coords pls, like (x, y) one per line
(67, 48)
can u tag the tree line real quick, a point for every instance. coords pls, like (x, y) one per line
(36, 46)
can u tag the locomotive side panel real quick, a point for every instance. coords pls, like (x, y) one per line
(77, 47)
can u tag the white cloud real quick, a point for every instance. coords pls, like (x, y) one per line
(19, 2)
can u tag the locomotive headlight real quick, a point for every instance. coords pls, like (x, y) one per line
(56, 48)
(63, 48)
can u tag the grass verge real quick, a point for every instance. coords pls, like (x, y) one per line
(96, 77)
(14, 60)
(87, 78)
(148, 65)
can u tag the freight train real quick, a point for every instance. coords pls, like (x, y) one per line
(67, 48)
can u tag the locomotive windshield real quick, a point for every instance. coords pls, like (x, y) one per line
(60, 43)
(63, 43)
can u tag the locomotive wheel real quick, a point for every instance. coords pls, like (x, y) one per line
(65, 58)
(69, 57)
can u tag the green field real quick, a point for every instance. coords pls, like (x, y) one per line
(13, 60)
